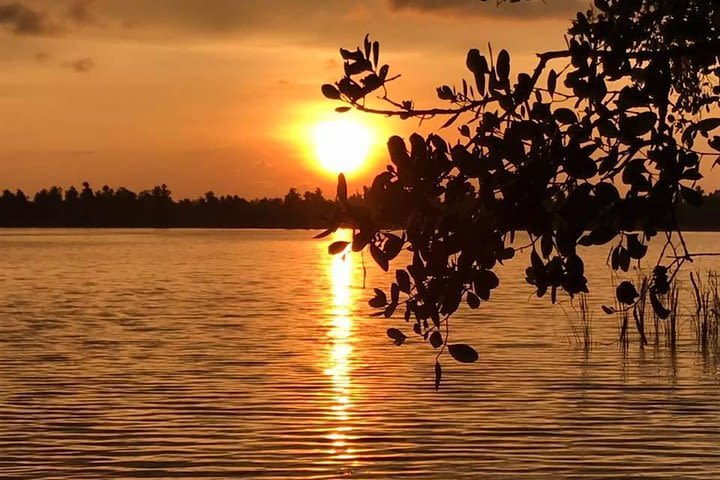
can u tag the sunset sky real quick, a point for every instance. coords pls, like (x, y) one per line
(222, 94)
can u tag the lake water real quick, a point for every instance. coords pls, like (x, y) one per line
(249, 354)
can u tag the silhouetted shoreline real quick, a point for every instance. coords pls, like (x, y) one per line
(155, 208)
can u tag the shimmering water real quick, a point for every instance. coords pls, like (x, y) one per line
(249, 354)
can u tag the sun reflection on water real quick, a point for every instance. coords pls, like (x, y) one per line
(339, 361)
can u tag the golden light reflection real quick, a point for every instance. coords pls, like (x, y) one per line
(339, 360)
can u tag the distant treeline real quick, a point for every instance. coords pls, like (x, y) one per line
(107, 207)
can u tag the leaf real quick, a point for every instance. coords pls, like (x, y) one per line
(436, 339)
(476, 63)
(396, 335)
(552, 82)
(342, 188)
(393, 246)
(503, 65)
(463, 353)
(336, 248)
(451, 120)
(379, 257)
(626, 293)
(707, 125)
(715, 143)
(325, 233)
(438, 374)
(376, 52)
(379, 300)
(662, 312)
(608, 310)
(330, 92)
(635, 248)
(473, 300)
(637, 125)
(403, 280)
(342, 109)
(565, 116)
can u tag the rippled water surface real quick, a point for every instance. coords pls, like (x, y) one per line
(249, 354)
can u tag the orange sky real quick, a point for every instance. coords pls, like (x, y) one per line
(211, 94)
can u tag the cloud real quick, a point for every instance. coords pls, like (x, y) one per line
(81, 65)
(23, 20)
(532, 9)
(80, 13)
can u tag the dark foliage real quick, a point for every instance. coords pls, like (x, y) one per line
(599, 145)
(155, 208)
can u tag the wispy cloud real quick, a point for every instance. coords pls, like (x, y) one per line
(81, 65)
(23, 20)
(531, 10)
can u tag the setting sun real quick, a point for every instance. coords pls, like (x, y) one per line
(341, 145)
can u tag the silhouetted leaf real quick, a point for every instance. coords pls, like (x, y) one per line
(463, 353)
(403, 280)
(662, 312)
(503, 65)
(342, 109)
(473, 300)
(438, 374)
(379, 257)
(436, 339)
(450, 121)
(626, 293)
(635, 248)
(396, 335)
(706, 125)
(330, 92)
(552, 82)
(393, 246)
(338, 247)
(565, 116)
(608, 310)
(325, 233)
(637, 125)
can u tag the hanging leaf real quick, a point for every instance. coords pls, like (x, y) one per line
(463, 353)
(336, 248)
(342, 109)
(565, 116)
(451, 120)
(436, 339)
(396, 335)
(379, 257)
(473, 300)
(626, 293)
(325, 233)
(662, 312)
(379, 300)
(438, 374)
(331, 92)
(403, 280)
(707, 125)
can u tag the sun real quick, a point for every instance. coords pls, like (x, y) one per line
(341, 145)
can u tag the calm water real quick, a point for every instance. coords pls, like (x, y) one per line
(249, 354)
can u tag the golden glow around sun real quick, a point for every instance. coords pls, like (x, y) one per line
(341, 144)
